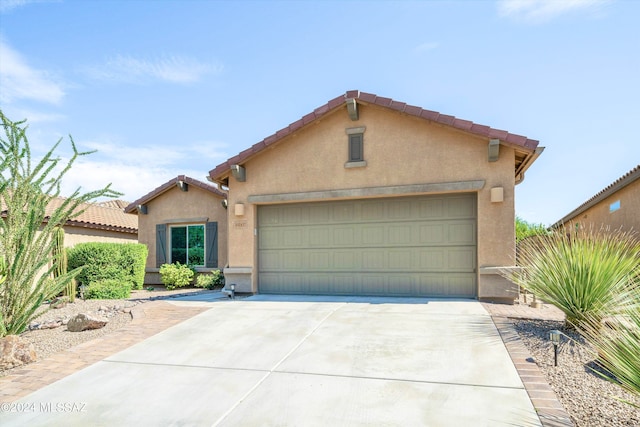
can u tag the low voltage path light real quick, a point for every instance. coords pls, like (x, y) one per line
(233, 291)
(554, 336)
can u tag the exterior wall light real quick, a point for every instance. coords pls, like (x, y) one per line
(554, 336)
(142, 209)
(497, 195)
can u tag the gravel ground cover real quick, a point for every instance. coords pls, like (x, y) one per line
(590, 400)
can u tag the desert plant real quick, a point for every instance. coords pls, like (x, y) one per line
(617, 343)
(210, 280)
(60, 261)
(176, 275)
(108, 289)
(585, 274)
(28, 223)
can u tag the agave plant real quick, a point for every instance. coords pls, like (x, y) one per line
(618, 344)
(587, 274)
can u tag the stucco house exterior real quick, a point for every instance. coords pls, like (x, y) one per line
(366, 195)
(183, 220)
(615, 207)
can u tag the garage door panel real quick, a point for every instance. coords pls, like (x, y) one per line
(396, 246)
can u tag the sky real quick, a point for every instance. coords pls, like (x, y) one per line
(164, 88)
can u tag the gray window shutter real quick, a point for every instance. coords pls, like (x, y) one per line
(161, 244)
(356, 147)
(211, 235)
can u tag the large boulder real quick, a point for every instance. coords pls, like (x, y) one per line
(15, 351)
(82, 322)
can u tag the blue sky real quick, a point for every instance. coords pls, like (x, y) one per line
(162, 88)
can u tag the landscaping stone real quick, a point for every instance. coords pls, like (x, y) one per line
(15, 351)
(83, 322)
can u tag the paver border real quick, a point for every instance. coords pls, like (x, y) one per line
(544, 399)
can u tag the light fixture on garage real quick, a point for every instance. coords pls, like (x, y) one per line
(142, 209)
(497, 194)
(554, 336)
(224, 203)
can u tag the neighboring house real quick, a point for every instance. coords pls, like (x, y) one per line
(184, 220)
(615, 207)
(100, 222)
(369, 196)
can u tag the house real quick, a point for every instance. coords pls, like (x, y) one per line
(99, 222)
(615, 207)
(183, 220)
(370, 196)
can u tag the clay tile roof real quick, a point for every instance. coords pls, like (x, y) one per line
(517, 141)
(102, 216)
(132, 207)
(617, 185)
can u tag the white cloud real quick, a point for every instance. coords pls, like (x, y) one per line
(427, 46)
(545, 10)
(20, 81)
(174, 69)
(7, 5)
(135, 171)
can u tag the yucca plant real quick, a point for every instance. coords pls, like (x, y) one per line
(586, 274)
(618, 344)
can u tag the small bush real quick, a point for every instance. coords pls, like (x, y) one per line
(176, 275)
(108, 289)
(210, 281)
(115, 261)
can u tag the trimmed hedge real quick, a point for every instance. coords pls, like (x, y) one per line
(107, 289)
(123, 262)
(176, 275)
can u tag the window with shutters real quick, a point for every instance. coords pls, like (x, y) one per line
(193, 244)
(356, 148)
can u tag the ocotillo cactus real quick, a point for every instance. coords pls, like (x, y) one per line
(60, 260)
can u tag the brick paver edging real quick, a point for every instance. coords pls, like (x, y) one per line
(546, 403)
(148, 319)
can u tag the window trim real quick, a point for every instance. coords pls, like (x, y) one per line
(355, 136)
(186, 226)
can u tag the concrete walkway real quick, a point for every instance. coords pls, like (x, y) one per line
(299, 361)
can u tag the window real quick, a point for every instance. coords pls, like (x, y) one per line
(355, 156)
(356, 148)
(614, 206)
(187, 244)
(193, 244)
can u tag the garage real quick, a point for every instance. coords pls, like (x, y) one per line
(401, 246)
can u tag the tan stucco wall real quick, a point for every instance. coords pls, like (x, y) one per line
(175, 206)
(626, 218)
(399, 150)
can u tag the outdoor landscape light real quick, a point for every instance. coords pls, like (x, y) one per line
(233, 291)
(554, 336)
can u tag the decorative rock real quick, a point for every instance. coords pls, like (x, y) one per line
(15, 351)
(82, 322)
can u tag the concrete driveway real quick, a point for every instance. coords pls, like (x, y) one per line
(300, 361)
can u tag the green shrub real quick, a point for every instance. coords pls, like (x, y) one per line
(134, 260)
(176, 275)
(123, 262)
(210, 281)
(586, 274)
(108, 289)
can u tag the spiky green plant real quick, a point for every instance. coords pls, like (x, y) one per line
(60, 261)
(28, 222)
(585, 274)
(618, 344)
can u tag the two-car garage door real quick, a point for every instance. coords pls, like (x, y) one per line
(409, 246)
